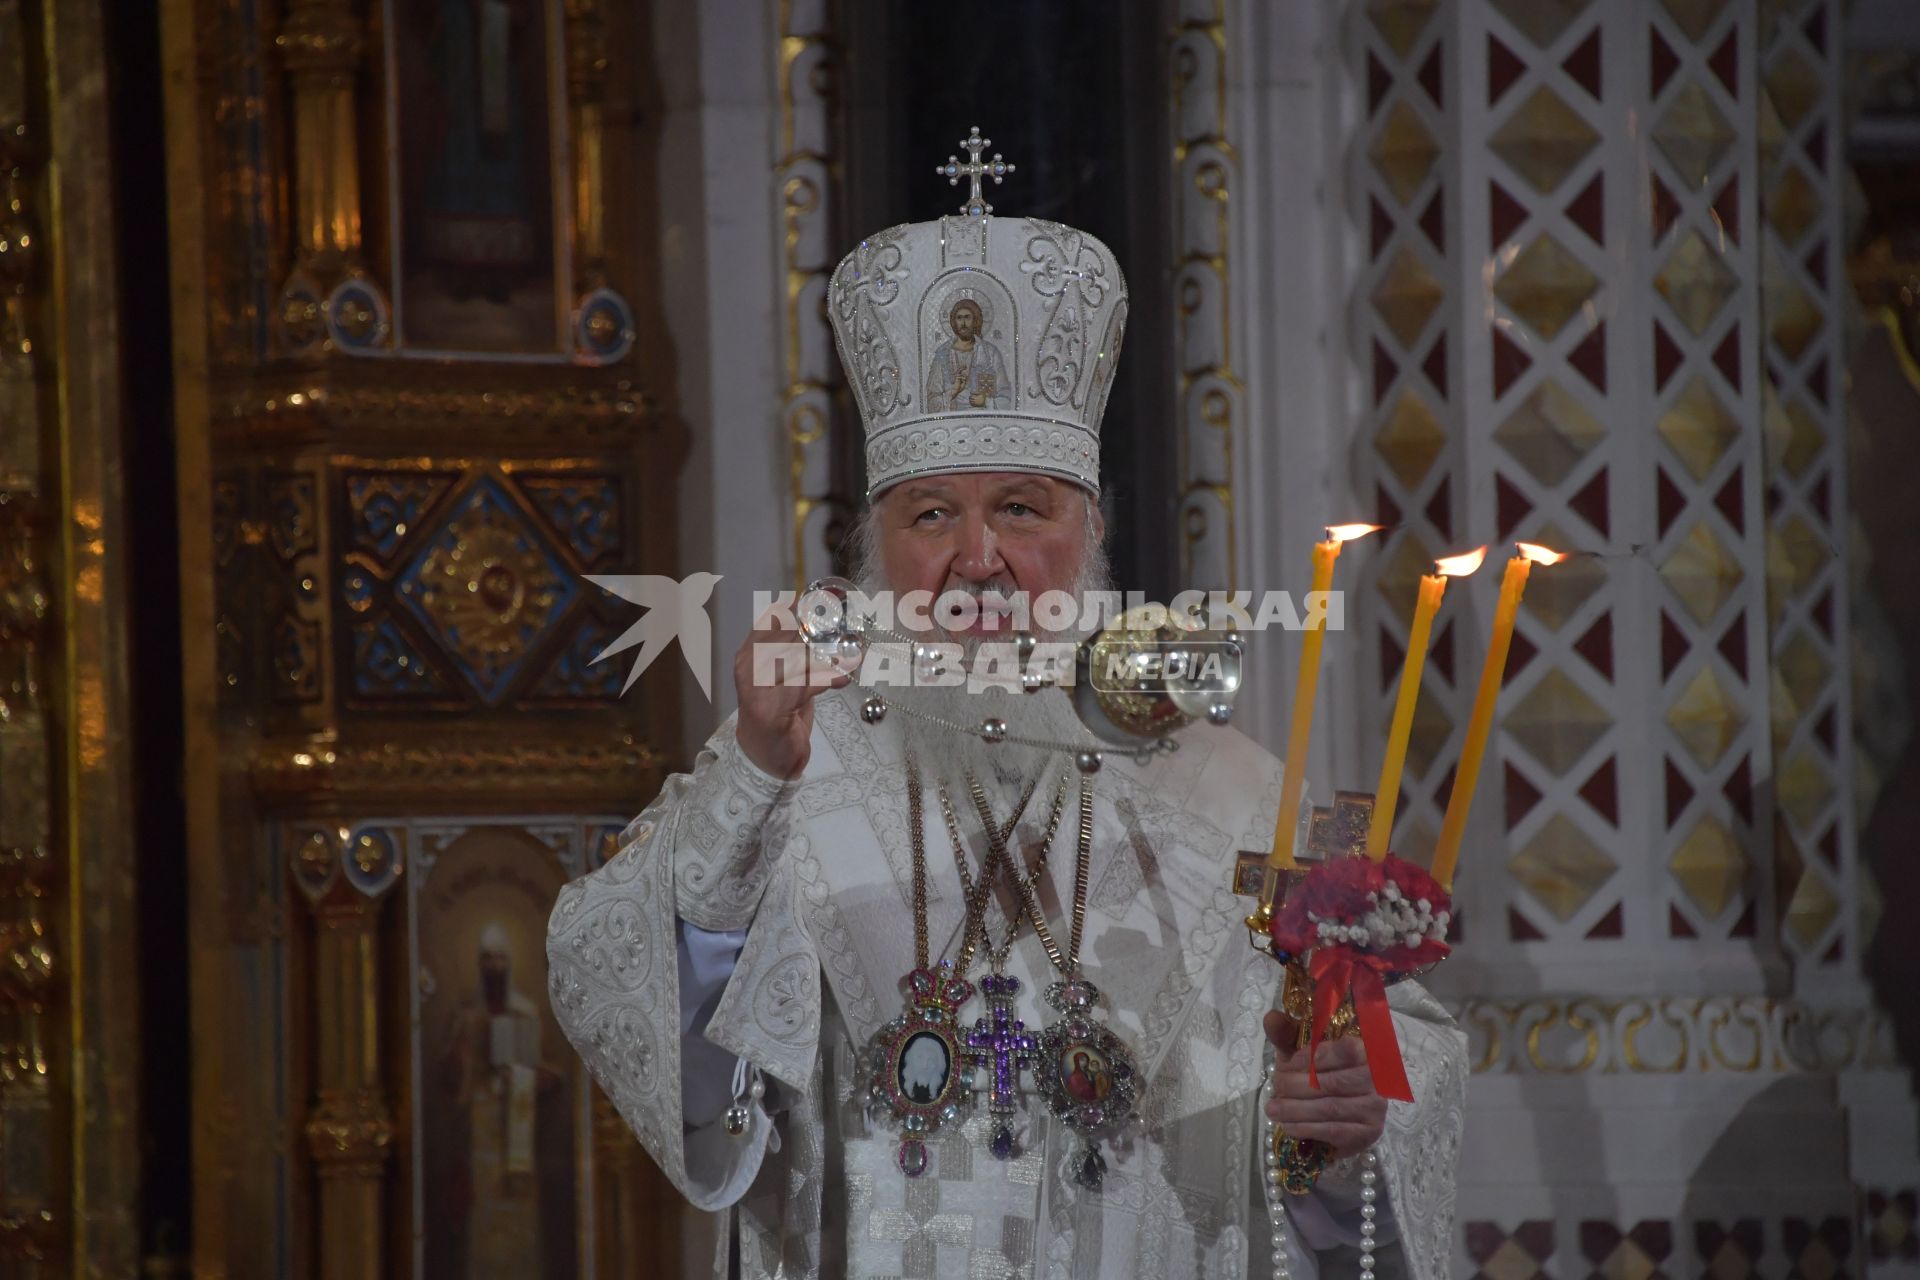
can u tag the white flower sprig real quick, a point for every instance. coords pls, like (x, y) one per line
(1392, 921)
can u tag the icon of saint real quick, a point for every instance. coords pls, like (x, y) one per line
(1087, 1075)
(923, 1068)
(498, 1076)
(967, 371)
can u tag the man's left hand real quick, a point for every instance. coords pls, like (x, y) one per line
(1344, 1111)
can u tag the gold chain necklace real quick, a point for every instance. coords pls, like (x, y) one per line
(914, 1060)
(999, 860)
(976, 905)
(1069, 964)
(1085, 1072)
(1000, 1044)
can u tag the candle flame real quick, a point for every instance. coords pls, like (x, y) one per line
(1462, 565)
(1348, 532)
(1539, 554)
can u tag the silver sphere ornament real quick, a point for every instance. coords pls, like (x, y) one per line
(1033, 682)
(1087, 761)
(929, 661)
(993, 729)
(1024, 644)
(1219, 712)
(736, 1120)
(873, 710)
(835, 636)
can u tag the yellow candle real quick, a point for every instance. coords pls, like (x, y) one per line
(1294, 780)
(1386, 796)
(1447, 852)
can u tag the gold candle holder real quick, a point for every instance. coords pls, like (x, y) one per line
(1338, 830)
(1302, 1160)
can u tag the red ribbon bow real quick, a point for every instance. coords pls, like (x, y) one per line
(1336, 971)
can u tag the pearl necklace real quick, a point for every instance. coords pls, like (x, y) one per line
(1276, 1208)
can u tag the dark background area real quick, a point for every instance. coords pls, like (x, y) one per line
(138, 122)
(1068, 91)
(1885, 407)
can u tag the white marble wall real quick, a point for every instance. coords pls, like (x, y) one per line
(720, 252)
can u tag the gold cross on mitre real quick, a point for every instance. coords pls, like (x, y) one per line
(973, 170)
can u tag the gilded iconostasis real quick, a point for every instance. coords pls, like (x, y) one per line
(329, 339)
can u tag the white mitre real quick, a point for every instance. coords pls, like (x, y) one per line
(1025, 392)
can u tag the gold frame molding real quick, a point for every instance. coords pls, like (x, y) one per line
(807, 178)
(301, 1130)
(69, 1000)
(1209, 395)
(209, 977)
(1672, 1035)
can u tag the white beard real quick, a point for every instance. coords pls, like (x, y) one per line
(948, 756)
(1005, 769)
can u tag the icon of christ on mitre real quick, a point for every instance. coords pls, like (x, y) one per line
(918, 981)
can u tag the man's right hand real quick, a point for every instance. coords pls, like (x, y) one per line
(776, 681)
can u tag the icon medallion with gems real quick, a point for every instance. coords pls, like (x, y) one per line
(1086, 1073)
(917, 1063)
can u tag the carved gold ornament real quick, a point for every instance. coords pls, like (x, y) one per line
(1662, 1035)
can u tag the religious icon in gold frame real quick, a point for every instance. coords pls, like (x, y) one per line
(503, 1151)
(477, 147)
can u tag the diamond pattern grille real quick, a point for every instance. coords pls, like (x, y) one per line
(1546, 285)
(1544, 140)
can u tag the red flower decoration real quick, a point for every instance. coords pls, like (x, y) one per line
(1346, 891)
(1339, 890)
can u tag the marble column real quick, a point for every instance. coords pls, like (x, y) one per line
(1256, 106)
(718, 210)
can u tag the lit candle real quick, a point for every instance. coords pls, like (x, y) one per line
(1447, 852)
(1386, 795)
(1294, 780)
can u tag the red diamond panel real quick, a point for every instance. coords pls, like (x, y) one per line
(1602, 792)
(1503, 68)
(1679, 793)
(1583, 64)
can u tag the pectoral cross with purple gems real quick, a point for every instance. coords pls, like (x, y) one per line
(1001, 1044)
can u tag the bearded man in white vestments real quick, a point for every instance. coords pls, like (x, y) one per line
(725, 973)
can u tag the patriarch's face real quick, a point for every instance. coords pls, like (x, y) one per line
(990, 534)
